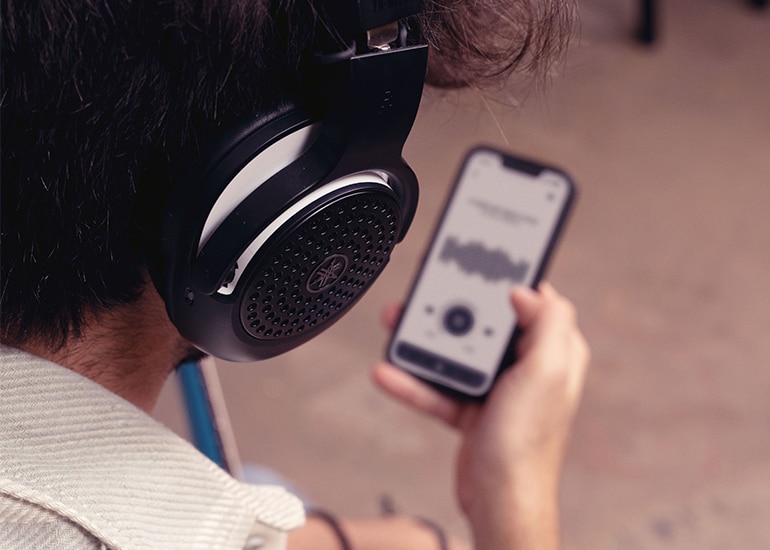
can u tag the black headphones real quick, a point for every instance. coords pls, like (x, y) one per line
(283, 224)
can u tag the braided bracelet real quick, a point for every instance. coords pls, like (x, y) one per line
(437, 530)
(388, 508)
(335, 526)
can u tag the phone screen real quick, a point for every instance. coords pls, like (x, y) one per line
(496, 233)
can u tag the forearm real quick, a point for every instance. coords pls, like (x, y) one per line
(524, 517)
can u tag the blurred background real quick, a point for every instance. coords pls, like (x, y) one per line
(667, 258)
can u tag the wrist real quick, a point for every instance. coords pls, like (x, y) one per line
(327, 531)
(394, 532)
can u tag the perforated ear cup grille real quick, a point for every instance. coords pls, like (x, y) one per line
(320, 267)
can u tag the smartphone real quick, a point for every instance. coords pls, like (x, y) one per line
(498, 230)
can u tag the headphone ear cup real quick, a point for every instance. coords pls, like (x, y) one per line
(261, 252)
(317, 265)
(295, 277)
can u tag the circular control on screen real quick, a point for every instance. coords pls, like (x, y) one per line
(458, 320)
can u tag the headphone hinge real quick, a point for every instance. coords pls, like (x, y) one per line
(382, 37)
(356, 17)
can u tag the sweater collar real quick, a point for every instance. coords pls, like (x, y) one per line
(70, 445)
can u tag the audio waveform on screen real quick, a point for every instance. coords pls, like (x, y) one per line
(492, 265)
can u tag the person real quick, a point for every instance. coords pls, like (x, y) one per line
(101, 102)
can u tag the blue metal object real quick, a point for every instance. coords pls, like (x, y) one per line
(200, 415)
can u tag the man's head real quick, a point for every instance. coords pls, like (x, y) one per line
(105, 99)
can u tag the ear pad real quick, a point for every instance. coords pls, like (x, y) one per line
(284, 224)
(321, 261)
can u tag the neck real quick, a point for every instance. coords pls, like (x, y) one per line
(130, 350)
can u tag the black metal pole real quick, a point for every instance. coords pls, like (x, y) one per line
(647, 32)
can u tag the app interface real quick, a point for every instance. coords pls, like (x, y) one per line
(492, 237)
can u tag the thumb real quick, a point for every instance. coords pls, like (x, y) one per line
(526, 302)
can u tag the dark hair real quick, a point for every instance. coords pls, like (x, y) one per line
(102, 99)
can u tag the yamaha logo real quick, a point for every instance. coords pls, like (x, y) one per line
(327, 273)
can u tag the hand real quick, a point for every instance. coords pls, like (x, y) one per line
(513, 445)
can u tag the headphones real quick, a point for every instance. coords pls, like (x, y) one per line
(283, 223)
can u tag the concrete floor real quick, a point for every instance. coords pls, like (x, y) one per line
(667, 258)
